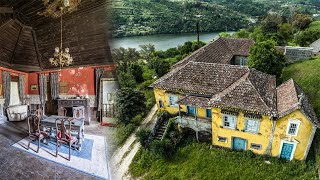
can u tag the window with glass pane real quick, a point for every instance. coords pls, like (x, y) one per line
(209, 113)
(229, 121)
(252, 125)
(292, 129)
(191, 110)
(172, 100)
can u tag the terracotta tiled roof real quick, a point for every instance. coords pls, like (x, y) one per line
(230, 86)
(201, 78)
(291, 97)
(316, 46)
(195, 101)
(221, 50)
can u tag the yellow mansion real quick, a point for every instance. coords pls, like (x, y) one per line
(241, 107)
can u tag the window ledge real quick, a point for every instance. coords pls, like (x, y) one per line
(226, 127)
(257, 133)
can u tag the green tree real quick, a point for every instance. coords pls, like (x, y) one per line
(286, 31)
(146, 51)
(257, 35)
(126, 80)
(243, 33)
(160, 66)
(264, 57)
(137, 71)
(306, 37)
(129, 103)
(143, 136)
(224, 34)
(301, 21)
(270, 23)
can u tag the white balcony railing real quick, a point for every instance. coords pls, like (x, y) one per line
(199, 124)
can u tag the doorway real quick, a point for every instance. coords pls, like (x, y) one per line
(287, 150)
(239, 144)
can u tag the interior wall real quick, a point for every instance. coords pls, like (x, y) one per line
(73, 81)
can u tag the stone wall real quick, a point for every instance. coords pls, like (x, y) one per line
(294, 54)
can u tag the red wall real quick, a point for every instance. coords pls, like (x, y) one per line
(79, 80)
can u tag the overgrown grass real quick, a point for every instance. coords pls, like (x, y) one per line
(307, 75)
(198, 161)
(315, 25)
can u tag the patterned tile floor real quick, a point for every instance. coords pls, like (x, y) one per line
(17, 164)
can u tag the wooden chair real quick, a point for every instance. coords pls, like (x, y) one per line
(62, 111)
(78, 112)
(63, 135)
(34, 131)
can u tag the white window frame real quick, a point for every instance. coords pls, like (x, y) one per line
(229, 116)
(293, 149)
(246, 123)
(255, 144)
(173, 105)
(293, 121)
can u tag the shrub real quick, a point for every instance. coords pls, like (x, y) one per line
(143, 135)
(129, 103)
(123, 132)
(137, 119)
(162, 149)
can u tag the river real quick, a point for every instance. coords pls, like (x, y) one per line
(161, 41)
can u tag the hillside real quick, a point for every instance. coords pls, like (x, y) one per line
(144, 17)
(141, 17)
(307, 75)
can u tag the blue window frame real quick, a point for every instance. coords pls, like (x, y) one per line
(209, 113)
(191, 110)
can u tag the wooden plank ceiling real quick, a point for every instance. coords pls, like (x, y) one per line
(28, 40)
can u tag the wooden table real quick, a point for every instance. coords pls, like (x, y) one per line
(77, 127)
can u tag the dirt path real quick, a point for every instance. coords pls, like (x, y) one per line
(122, 158)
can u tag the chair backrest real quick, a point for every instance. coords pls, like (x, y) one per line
(39, 113)
(78, 112)
(62, 111)
(63, 128)
(33, 124)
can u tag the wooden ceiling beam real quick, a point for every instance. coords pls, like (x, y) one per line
(6, 10)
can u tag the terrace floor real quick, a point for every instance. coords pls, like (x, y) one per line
(17, 164)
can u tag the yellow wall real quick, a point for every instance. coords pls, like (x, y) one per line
(161, 94)
(261, 138)
(302, 137)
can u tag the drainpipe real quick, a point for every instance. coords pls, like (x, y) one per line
(197, 136)
(268, 150)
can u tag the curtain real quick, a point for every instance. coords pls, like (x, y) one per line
(43, 90)
(98, 73)
(22, 95)
(54, 85)
(6, 80)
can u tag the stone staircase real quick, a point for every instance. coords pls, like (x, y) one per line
(161, 130)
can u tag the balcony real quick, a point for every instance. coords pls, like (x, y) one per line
(195, 123)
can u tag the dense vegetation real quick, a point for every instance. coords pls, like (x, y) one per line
(136, 71)
(142, 17)
(199, 161)
(307, 75)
